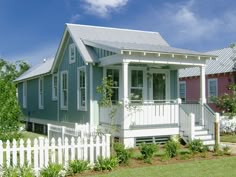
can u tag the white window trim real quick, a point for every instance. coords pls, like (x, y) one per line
(70, 47)
(54, 97)
(131, 68)
(183, 82)
(24, 94)
(208, 88)
(120, 76)
(41, 102)
(61, 93)
(80, 107)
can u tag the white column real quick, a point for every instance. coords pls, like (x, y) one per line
(203, 85)
(125, 94)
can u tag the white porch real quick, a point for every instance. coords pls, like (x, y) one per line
(155, 111)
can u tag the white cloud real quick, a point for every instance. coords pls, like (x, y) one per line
(102, 8)
(74, 18)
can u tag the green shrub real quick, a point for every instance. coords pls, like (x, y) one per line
(106, 163)
(78, 166)
(147, 151)
(226, 150)
(24, 171)
(52, 170)
(123, 155)
(196, 146)
(171, 148)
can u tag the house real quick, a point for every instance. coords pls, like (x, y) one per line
(220, 74)
(145, 69)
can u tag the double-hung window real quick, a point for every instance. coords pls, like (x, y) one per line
(82, 97)
(54, 86)
(182, 90)
(113, 74)
(25, 94)
(64, 90)
(212, 89)
(72, 53)
(136, 89)
(41, 93)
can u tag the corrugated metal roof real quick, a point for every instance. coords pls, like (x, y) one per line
(142, 47)
(224, 63)
(40, 69)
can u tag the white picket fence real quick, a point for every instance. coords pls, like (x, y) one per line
(57, 131)
(41, 152)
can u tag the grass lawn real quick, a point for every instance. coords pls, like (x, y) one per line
(223, 167)
(30, 135)
(228, 138)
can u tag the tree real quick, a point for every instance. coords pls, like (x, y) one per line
(9, 108)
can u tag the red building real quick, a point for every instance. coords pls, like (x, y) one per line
(220, 73)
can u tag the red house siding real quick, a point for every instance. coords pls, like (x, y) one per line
(193, 86)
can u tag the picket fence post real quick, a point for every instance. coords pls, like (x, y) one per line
(1, 154)
(36, 161)
(14, 153)
(59, 151)
(8, 153)
(108, 136)
(22, 148)
(29, 149)
(53, 151)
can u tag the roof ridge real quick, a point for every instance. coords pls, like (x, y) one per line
(113, 28)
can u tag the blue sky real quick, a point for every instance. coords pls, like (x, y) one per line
(32, 29)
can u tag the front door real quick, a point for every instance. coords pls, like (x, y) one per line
(159, 86)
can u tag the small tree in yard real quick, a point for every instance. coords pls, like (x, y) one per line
(227, 102)
(9, 108)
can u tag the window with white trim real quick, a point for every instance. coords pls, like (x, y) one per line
(41, 93)
(25, 94)
(82, 96)
(212, 89)
(136, 89)
(72, 53)
(114, 75)
(64, 90)
(182, 90)
(54, 86)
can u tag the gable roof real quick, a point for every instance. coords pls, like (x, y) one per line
(40, 69)
(223, 64)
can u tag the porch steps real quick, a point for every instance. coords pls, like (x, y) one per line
(203, 134)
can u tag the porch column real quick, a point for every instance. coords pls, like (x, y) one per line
(203, 85)
(202, 93)
(125, 93)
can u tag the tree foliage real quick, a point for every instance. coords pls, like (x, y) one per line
(227, 102)
(9, 108)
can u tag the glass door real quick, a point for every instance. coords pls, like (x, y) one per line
(159, 86)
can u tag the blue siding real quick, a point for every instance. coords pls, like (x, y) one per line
(72, 114)
(102, 53)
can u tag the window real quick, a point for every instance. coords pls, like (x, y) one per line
(64, 90)
(41, 90)
(54, 86)
(25, 94)
(182, 90)
(212, 89)
(136, 89)
(114, 75)
(82, 97)
(72, 53)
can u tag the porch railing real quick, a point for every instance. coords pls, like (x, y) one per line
(194, 108)
(210, 118)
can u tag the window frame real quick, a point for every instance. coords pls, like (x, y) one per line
(208, 89)
(54, 96)
(119, 87)
(24, 89)
(79, 97)
(41, 94)
(184, 83)
(63, 106)
(72, 46)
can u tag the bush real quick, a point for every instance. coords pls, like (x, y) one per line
(24, 171)
(147, 151)
(123, 155)
(196, 146)
(171, 148)
(52, 170)
(106, 164)
(78, 166)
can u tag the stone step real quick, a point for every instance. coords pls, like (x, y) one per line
(196, 128)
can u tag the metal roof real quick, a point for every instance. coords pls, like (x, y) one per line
(114, 45)
(223, 63)
(37, 70)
